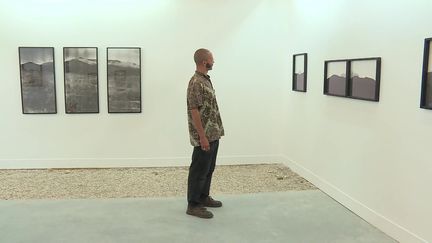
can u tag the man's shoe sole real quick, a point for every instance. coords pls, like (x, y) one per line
(207, 215)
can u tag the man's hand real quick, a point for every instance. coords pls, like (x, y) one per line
(205, 145)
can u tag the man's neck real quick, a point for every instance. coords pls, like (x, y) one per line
(202, 70)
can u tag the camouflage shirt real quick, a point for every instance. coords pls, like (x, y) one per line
(201, 96)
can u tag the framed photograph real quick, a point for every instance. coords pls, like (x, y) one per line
(362, 81)
(81, 79)
(37, 74)
(300, 72)
(124, 79)
(335, 78)
(365, 78)
(426, 87)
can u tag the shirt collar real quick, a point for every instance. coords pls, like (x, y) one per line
(203, 75)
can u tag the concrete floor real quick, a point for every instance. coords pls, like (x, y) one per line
(294, 216)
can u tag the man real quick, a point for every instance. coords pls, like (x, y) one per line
(205, 130)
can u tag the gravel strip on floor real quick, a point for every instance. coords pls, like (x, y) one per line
(143, 182)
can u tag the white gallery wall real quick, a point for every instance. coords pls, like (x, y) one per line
(370, 156)
(168, 31)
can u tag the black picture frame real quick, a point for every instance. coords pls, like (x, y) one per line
(365, 78)
(426, 85)
(37, 80)
(362, 82)
(299, 78)
(124, 79)
(81, 80)
(335, 78)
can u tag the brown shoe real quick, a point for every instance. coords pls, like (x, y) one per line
(199, 212)
(210, 202)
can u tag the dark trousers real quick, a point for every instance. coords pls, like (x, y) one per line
(200, 173)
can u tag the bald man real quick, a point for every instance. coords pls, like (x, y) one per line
(205, 130)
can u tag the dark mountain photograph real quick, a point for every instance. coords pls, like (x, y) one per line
(81, 79)
(336, 85)
(336, 81)
(299, 70)
(364, 78)
(363, 88)
(37, 80)
(299, 81)
(124, 80)
(428, 91)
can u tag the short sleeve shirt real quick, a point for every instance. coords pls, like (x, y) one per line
(201, 96)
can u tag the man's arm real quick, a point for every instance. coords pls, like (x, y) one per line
(196, 118)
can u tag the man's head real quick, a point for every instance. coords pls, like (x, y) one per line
(204, 60)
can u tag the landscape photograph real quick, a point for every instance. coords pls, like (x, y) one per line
(81, 79)
(364, 79)
(428, 89)
(336, 78)
(299, 72)
(124, 80)
(37, 80)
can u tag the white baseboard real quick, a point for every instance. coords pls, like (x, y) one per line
(381, 222)
(130, 162)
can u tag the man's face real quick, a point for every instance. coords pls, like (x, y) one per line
(209, 62)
